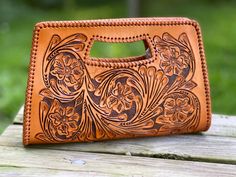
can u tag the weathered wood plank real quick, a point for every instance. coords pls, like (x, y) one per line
(107, 164)
(222, 125)
(10, 171)
(19, 116)
(189, 147)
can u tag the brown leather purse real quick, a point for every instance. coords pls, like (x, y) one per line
(72, 97)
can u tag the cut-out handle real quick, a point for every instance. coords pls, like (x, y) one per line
(120, 49)
(115, 50)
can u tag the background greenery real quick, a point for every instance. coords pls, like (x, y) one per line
(17, 18)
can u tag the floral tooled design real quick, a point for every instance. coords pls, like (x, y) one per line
(121, 98)
(176, 110)
(69, 72)
(118, 102)
(64, 119)
(173, 62)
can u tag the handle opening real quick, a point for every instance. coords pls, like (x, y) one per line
(117, 50)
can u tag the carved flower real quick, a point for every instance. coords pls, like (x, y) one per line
(176, 110)
(173, 62)
(68, 70)
(121, 98)
(64, 119)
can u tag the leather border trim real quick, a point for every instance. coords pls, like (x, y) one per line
(29, 89)
(205, 73)
(175, 21)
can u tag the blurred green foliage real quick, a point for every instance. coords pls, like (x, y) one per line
(17, 18)
(117, 50)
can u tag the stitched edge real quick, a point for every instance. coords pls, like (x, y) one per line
(205, 73)
(29, 89)
(109, 22)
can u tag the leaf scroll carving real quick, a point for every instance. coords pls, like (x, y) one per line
(120, 102)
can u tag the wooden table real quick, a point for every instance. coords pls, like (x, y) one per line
(206, 154)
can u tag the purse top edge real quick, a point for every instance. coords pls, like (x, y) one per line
(114, 21)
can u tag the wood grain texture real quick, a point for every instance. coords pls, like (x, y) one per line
(198, 147)
(9, 171)
(19, 116)
(222, 125)
(107, 164)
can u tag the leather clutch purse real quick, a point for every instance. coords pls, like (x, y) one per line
(73, 97)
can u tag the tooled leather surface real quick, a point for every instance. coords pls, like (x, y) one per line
(84, 99)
